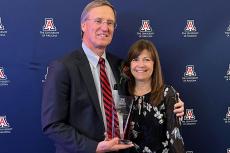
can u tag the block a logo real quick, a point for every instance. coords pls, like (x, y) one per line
(2, 74)
(3, 122)
(189, 115)
(228, 29)
(227, 32)
(190, 26)
(49, 29)
(3, 32)
(189, 118)
(227, 76)
(228, 113)
(47, 71)
(190, 71)
(4, 125)
(228, 72)
(1, 25)
(190, 29)
(145, 30)
(227, 117)
(3, 78)
(49, 25)
(145, 27)
(228, 150)
(189, 74)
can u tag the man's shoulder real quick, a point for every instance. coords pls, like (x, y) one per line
(114, 58)
(111, 55)
(75, 54)
(71, 58)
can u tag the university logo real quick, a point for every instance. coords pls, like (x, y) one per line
(189, 115)
(227, 76)
(190, 26)
(49, 29)
(3, 32)
(145, 26)
(189, 118)
(227, 116)
(228, 72)
(145, 30)
(228, 28)
(3, 78)
(3, 122)
(2, 74)
(47, 70)
(1, 25)
(190, 29)
(190, 71)
(4, 125)
(189, 74)
(228, 113)
(228, 150)
(49, 25)
(227, 32)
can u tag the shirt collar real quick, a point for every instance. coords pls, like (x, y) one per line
(92, 57)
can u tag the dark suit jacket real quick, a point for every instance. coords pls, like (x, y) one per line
(71, 114)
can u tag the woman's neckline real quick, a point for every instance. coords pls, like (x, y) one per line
(142, 94)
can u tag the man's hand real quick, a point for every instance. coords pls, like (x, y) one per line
(179, 108)
(111, 145)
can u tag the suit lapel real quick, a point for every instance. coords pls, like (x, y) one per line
(114, 64)
(85, 71)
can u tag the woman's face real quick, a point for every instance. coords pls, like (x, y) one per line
(142, 67)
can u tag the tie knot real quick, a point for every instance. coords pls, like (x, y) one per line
(101, 61)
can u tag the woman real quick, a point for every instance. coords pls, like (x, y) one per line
(154, 128)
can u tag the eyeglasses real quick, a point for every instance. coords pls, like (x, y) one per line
(144, 60)
(100, 22)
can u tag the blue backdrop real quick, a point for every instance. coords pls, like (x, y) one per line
(192, 37)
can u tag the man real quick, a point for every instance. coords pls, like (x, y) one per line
(73, 113)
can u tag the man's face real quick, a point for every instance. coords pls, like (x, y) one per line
(98, 28)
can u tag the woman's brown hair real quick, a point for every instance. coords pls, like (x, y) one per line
(157, 83)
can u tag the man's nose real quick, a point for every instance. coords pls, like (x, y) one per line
(104, 25)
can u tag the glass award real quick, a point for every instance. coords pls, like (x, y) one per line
(124, 106)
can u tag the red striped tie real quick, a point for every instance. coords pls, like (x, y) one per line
(109, 107)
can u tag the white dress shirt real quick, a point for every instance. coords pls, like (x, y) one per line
(95, 69)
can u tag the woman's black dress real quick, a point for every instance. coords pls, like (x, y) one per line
(155, 129)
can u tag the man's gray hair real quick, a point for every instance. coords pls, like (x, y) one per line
(93, 4)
